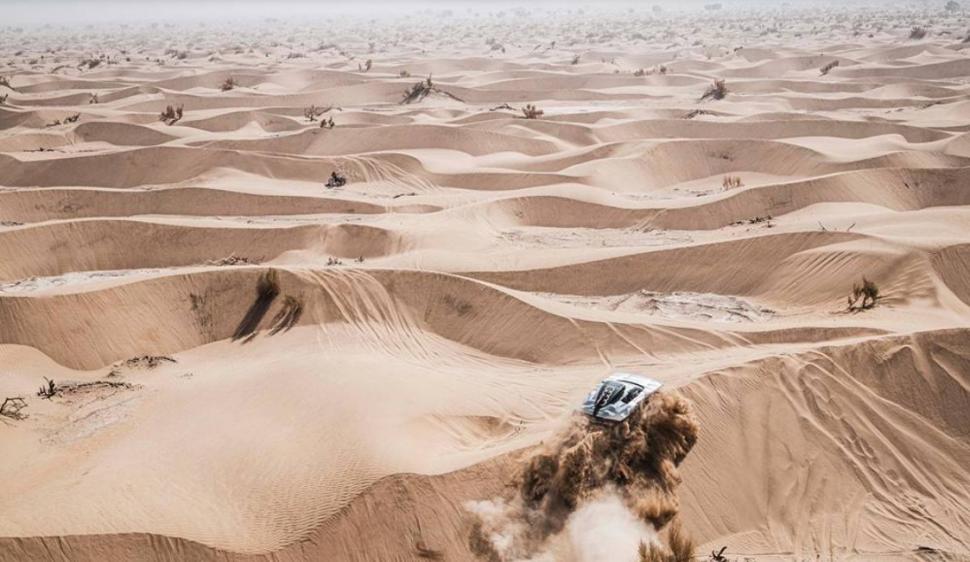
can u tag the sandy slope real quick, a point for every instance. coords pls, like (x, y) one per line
(444, 312)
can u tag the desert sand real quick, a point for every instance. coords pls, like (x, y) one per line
(251, 365)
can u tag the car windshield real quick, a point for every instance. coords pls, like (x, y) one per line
(610, 392)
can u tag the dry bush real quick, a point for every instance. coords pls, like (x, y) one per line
(3, 99)
(575, 60)
(231, 259)
(366, 66)
(731, 182)
(404, 74)
(171, 115)
(311, 113)
(695, 112)
(94, 99)
(422, 89)
(825, 69)
(863, 296)
(336, 180)
(146, 361)
(640, 72)
(72, 118)
(418, 91)
(917, 32)
(532, 112)
(228, 84)
(12, 406)
(716, 91)
(48, 389)
(662, 69)
(766, 220)
(5, 82)
(327, 123)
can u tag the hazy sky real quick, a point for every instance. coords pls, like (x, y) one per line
(88, 11)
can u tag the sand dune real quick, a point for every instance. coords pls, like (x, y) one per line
(251, 364)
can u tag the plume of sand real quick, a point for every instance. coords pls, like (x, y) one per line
(634, 461)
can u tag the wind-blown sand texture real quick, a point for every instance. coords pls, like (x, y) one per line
(351, 365)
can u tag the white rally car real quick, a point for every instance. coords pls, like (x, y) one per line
(618, 396)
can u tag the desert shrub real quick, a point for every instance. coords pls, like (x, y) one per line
(695, 112)
(662, 69)
(171, 115)
(228, 84)
(639, 72)
(12, 406)
(5, 82)
(420, 90)
(731, 182)
(366, 66)
(575, 60)
(336, 180)
(532, 112)
(327, 123)
(48, 389)
(863, 296)
(72, 118)
(404, 74)
(311, 113)
(828, 67)
(3, 99)
(231, 259)
(716, 91)
(917, 32)
(94, 99)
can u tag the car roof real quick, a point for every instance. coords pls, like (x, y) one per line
(648, 384)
